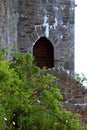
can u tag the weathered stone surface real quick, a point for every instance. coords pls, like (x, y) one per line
(74, 93)
(8, 25)
(25, 21)
(53, 19)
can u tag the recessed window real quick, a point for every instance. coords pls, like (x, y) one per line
(43, 52)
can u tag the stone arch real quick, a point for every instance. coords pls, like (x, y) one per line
(43, 52)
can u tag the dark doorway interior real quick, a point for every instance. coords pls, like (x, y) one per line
(43, 52)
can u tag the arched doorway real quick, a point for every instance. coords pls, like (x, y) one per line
(43, 52)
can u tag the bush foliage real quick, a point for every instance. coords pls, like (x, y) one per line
(30, 99)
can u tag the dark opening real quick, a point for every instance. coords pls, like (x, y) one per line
(43, 52)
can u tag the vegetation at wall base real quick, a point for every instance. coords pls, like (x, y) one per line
(30, 99)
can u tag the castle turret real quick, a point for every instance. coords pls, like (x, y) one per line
(46, 29)
(43, 27)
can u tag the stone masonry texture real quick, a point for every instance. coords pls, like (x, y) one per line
(53, 19)
(74, 93)
(26, 21)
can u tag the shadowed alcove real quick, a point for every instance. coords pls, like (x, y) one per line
(43, 52)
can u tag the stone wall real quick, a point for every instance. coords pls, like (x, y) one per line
(74, 93)
(53, 19)
(23, 22)
(8, 25)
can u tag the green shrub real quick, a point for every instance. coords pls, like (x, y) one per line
(29, 99)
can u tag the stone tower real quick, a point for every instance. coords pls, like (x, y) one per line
(43, 27)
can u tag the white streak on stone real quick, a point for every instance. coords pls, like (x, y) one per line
(55, 8)
(68, 71)
(56, 23)
(80, 104)
(46, 25)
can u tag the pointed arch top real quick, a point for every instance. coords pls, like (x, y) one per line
(43, 52)
(43, 38)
